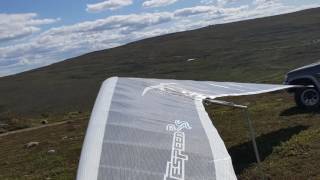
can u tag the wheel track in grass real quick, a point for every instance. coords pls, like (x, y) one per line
(37, 127)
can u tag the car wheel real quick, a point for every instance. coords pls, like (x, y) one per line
(307, 98)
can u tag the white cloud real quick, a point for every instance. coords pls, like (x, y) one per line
(67, 41)
(219, 3)
(274, 6)
(195, 10)
(158, 3)
(108, 5)
(207, 1)
(222, 3)
(15, 26)
(129, 22)
(259, 2)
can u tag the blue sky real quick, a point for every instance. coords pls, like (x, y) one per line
(38, 33)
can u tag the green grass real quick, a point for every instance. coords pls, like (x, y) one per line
(286, 136)
(297, 158)
(18, 162)
(288, 140)
(260, 50)
(13, 122)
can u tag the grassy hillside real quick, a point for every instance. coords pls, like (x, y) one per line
(260, 50)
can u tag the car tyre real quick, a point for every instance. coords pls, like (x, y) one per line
(307, 98)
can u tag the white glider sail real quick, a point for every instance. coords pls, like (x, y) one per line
(152, 129)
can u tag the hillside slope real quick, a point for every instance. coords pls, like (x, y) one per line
(260, 50)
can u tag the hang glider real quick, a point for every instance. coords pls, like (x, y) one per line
(153, 129)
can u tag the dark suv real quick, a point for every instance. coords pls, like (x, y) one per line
(308, 97)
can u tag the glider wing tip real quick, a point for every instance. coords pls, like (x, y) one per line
(109, 79)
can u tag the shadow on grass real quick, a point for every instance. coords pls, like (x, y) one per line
(297, 110)
(243, 155)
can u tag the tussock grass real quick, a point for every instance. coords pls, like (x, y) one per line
(287, 137)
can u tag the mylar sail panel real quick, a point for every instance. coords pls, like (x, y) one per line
(158, 129)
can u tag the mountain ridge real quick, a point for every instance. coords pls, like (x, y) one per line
(238, 51)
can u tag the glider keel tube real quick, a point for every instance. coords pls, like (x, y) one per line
(90, 155)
